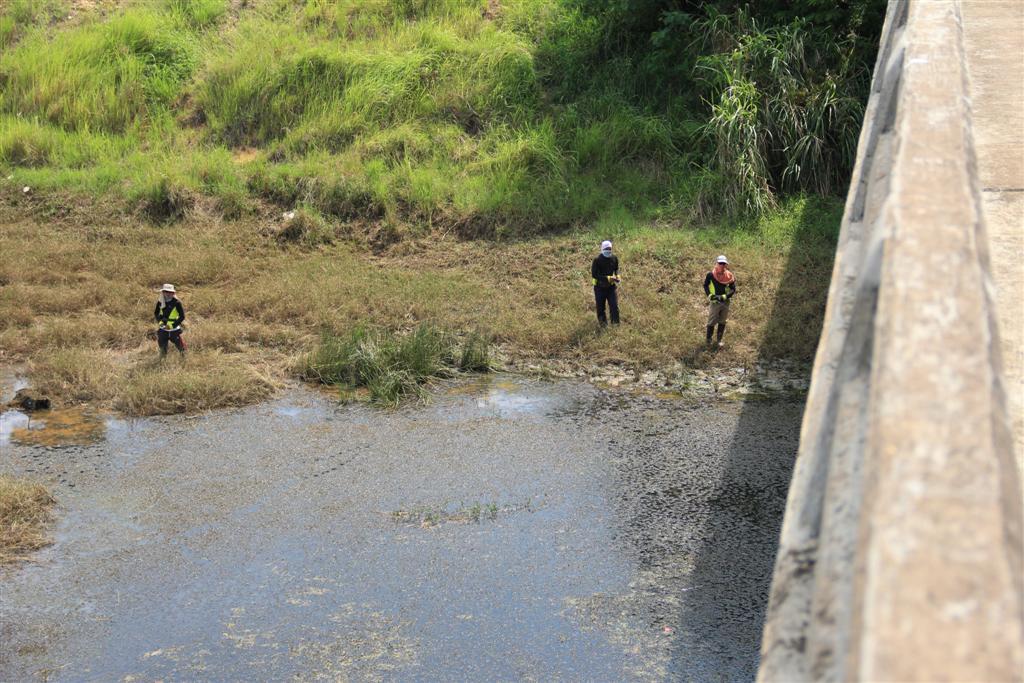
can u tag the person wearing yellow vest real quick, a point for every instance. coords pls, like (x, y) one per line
(719, 287)
(169, 314)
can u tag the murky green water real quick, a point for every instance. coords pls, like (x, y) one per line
(506, 531)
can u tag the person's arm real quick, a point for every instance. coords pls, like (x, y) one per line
(732, 289)
(593, 271)
(181, 312)
(707, 285)
(615, 267)
(156, 312)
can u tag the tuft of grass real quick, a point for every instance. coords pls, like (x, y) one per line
(204, 381)
(75, 374)
(476, 353)
(197, 14)
(164, 199)
(391, 366)
(305, 227)
(25, 513)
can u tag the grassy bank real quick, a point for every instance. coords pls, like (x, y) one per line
(25, 514)
(416, 114)
(304, 168)
(77, 298)
(482, 117)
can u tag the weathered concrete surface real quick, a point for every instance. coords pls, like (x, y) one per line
(510, 530)
(900, 554)
(994, 45)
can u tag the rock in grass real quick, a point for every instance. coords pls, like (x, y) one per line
(28, 400)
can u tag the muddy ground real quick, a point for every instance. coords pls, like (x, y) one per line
(508, 530)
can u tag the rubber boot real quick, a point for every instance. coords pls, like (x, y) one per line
(721, 333)
(711, 331)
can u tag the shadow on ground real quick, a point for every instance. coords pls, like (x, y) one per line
(702, 510)
(749, 501)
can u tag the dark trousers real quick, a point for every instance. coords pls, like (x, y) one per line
(174, 336)
(601, 295)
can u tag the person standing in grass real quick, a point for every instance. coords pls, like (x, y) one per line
(719, 287)
(604, 272)
(169, 314)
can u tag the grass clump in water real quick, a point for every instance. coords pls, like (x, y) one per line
(208, 380)
(25, 512)
(392, 366)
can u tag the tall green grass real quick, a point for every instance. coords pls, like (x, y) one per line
(18, 17)
(785, 113)
(101, 76)
(392, 367)
(497, 119)
(418, 113)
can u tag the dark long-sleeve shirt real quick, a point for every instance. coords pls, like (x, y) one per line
(714, 287)
(165, 313)
(602, 267)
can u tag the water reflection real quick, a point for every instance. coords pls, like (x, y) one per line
(77, 426)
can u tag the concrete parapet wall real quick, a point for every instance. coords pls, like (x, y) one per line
(900, 554)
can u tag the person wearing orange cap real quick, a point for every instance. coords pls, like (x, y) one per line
(169, 314)
(719, 287)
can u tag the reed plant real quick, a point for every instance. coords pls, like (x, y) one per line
(786, 104)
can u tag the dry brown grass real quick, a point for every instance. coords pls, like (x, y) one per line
(77, 300)
(25, 515)
(207, 380)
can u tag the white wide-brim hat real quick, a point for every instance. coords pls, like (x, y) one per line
(722, 259)
(167, 288)
(606, 245)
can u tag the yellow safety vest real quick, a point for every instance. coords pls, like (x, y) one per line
(172, 318)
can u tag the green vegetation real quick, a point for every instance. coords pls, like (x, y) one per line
(25, 513)
(20, 15)
(314, 167)
(430, 516)
(483, 117)
(391, 366)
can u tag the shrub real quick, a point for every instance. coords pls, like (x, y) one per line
(786, 107)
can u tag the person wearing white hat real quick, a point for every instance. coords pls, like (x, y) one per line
(604, 273)
(169, 314)
(719, 287)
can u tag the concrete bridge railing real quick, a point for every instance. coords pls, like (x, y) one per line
(900, 554)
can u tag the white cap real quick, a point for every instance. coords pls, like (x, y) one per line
(721, 259)
(167, 288)
(607, 244)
